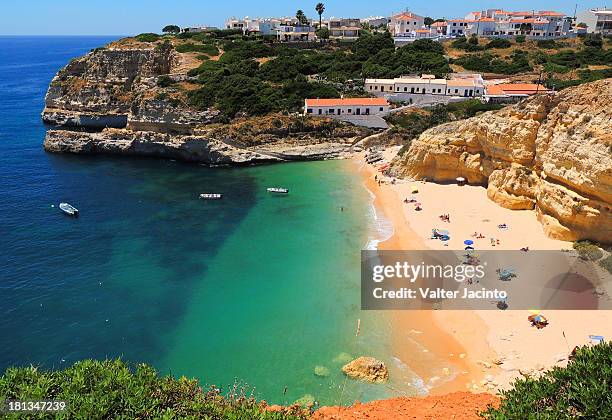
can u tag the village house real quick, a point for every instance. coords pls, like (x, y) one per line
(597, 20)
(405, 23)
(296, 32)
(462, 84)
(439, 28)
(543, 24)
(376, 21)
(344, 29)
(346, 106)
(512, 92)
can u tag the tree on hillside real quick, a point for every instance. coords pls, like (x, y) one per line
(171, 29)
(301, 17)
(322, 33)
(320, 8)
(428, 21)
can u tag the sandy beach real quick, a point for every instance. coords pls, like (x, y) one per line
(478, 350)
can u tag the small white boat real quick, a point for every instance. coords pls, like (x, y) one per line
(278, 190)
(211, 196)
(69, 210)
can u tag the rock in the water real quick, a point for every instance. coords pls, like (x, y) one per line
(321, 371)
(366, 369)
(306, 401)
(343, 358)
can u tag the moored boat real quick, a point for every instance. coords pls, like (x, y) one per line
(69, 210)
(211, 196)
(278, 190)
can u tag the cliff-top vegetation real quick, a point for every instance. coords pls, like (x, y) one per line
(250, 75)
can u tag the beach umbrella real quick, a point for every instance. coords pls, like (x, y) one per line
(414, 189)
(442, 232)
(468, 242)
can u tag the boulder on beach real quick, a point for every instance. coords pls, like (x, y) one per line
(366, 369)
(321, 371)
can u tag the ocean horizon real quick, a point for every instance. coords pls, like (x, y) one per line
(254, 289)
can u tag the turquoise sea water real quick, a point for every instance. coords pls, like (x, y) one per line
(255, 288)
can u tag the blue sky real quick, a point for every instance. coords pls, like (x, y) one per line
(127, 17)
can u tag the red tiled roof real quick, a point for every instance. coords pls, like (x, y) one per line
(515, 89)
(405, 16)
(346, 101)
(528, 21)
(439, 24)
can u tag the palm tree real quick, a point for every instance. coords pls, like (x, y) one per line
(320, 8)
(301, 17)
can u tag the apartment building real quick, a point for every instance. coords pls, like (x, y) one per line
(597, 20)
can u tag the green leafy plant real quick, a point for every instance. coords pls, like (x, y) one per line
(111, 389)
(588, 250)
(580, 390)
(147, 37)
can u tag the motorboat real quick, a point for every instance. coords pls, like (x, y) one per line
(277, 190)
(211, 196)
(69, 210)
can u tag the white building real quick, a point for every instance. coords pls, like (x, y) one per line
(376, 21)
(346, 106)
(461, 84)
(543, 24)
(344, 28)
(597, 20)
(404, 24)
(297, 32)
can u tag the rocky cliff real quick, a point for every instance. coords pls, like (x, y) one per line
(130, 98)
(548, 153)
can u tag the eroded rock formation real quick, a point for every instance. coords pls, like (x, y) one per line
(548, 153)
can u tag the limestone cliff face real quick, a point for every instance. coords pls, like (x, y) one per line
(129, 98)
(548, 153)
(97, 90)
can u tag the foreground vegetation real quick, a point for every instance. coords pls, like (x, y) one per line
(110, 389)
(581, 390)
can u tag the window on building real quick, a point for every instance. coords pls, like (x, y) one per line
(350, 111)
(330, 110)
(405, 89)
(375, 87)
(309, 111)
(456, 90)
(370, 87)
(320, 111)
(380, 109)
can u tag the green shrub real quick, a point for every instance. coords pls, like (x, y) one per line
(555, 68)
(593, 40)
(588, 251)
(201, 48)
(165, 81)
(607, 263)
(520, 39)
(147, 37)
(546, 44)
(580, 390)
(488, 63)
(499, 43)
(111, 389)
